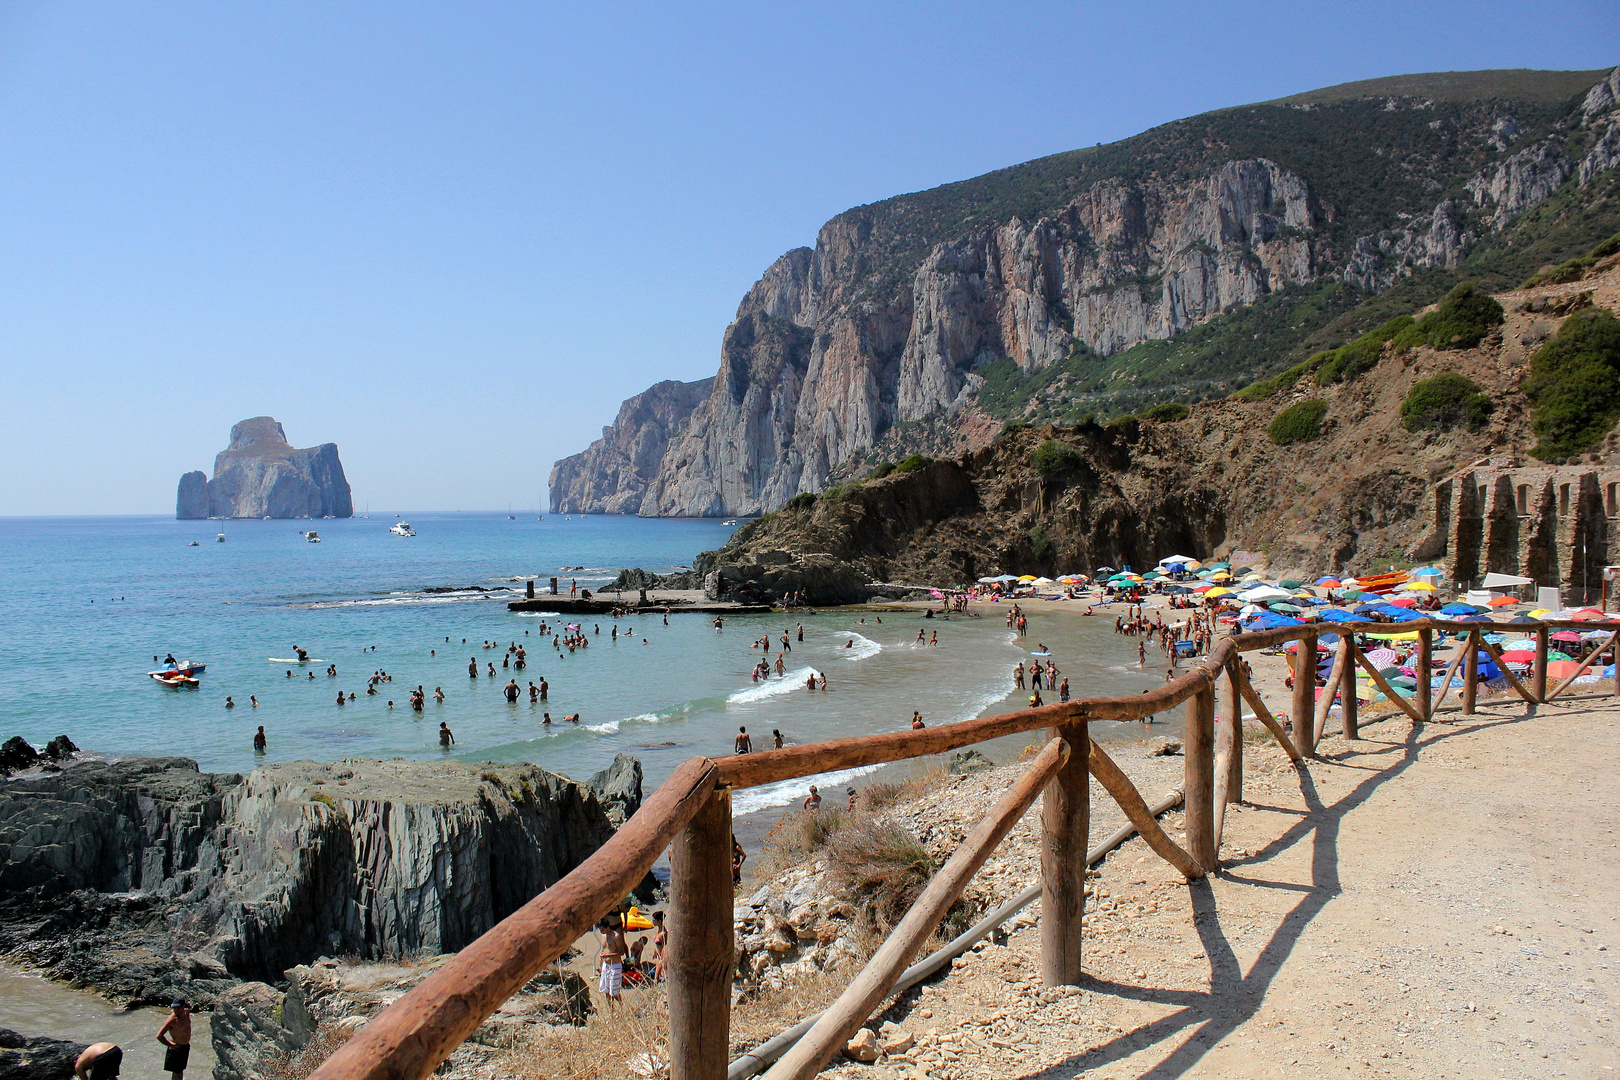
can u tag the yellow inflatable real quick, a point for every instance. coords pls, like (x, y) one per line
(635, 920)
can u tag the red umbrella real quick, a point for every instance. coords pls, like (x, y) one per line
(1405, 601)
(1590, 613)
(1566, 635)
(1562, 669)
(1519, 656)
(1502, 601)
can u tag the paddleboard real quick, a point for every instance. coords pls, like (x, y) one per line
(1040, 654)
(285, 660)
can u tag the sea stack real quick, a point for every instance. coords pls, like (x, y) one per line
(262, 475)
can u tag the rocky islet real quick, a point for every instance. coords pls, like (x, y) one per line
(260, 474)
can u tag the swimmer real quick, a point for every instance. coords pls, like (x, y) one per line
(776, 739)
(229, 704)
(340, 697)
(813, 800)
(445, 738)
(546, 721)
(438, 693)
(572, 718)
(253, 701)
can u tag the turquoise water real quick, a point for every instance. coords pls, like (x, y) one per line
(91, 601)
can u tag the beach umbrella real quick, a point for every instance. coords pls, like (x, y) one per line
(1566, 635)
(1176, 590)
(1522, 619)
(1044, 581)
(1217, 591)
(1070, 579)
(1593, 635)
(1561, 669)
(1381, 657)
(1462, 618)
(1429, 571)
(1608, 672)
(1105, 569)
(1328, 581)
(1026, 579)
(1538, 613)
(1271, 621)
(1220, 566)
(1289, 583)
(1519, 656)
(1418, 586)
(1220, 575)
(1337, 615)
(1503, 601)
(1355, 594)
(1589, 613)
(1460, 609)
(1404, 602)
(1554, 654)
(1287, 609)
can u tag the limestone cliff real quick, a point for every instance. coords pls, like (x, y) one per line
(611, 475)
(889, 322)
(261, 475)
(146, 877)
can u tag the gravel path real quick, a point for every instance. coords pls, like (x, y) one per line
(1437, 904)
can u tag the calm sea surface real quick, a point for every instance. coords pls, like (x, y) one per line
(91, 601)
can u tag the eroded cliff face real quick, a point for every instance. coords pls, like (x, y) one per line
(612, 474)
(262, 475)
(836, 345)
(146, 878)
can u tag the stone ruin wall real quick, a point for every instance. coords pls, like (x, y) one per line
(1550, 523)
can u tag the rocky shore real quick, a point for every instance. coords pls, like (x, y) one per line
(146, 878)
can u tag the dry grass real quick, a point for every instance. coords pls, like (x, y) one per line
(298, 1065)
(613, 1044)
(797, 836)
(880, 866)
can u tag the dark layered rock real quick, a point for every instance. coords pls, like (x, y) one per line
(37, 1058)
(262, 475)
(146, 877)
(773, 576)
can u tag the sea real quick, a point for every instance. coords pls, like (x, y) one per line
(91, 602)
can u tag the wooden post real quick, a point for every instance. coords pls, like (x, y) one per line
(1425, 661)
(1470, 672)
(1538, 678)
(1304, 712)
(1065, 833)
(1117, 784)
(1199, 743)
(1234, 764)
(701, 959)
(1350, 710)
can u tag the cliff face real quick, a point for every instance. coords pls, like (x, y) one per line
(892, 316)
(1363, 494)
(261, 475)
(145, 877)
(612, 474)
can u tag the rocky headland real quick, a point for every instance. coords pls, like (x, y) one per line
(1255, 235)
(261, 475)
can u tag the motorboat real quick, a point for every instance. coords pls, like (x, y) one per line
(312, 537)
(403, 528)
(183, 669)
(729, 521)
(220, 538)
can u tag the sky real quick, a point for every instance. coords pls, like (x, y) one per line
(452, 238)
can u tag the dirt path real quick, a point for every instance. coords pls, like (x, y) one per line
(1438, 904)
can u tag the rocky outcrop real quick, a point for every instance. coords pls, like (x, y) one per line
(1521, 181)
(37, 1058)
(612, 474)
(191, 501)
(1441, 241)
(261, 475)
(774, 576)
(217, 877)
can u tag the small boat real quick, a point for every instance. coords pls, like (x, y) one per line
(403, 529)
(220, 539)
(184, 669)
(312, 537)
(175, 680)
(194, 544)
(729, 521)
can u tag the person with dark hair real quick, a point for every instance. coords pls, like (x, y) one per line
(744, 744)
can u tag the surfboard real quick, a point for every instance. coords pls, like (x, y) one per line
(287, 660)
(1040, 654)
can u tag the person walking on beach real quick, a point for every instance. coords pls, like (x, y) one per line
(175, 1034)
(100, 1061)
(258, 740)
(743, 744)
(1063, 690)
(446, 739)
(611, 961)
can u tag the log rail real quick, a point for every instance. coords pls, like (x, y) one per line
(692, 811)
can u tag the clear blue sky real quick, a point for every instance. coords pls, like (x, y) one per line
(452, 238)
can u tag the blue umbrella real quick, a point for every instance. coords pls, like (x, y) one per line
(1460, 609)
(1271, 621)
(1338, 615)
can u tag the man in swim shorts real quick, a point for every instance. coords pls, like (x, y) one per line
(175, 1034)
(611, 962)
(743, 743)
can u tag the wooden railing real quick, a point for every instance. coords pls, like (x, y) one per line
(692, 811)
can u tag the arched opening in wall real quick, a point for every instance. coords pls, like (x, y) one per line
(1563, 498)
(1502, 530)
(1524, 498)
(1610, 506)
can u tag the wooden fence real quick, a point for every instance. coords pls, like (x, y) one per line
(692, 811)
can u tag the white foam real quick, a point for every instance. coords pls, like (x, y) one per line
(608, 728)
(769, 688)
(861, 648)
(537, 614)
(792, 792)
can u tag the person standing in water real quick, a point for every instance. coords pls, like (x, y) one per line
(812, 801)
(259, 740)
(175, 1034)
(743, 744)
(446, 739)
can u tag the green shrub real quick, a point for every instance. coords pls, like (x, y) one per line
(842, 491)
(1169, 412)
(1611, 246)
(1012, 427)
(798, 836)
(804, 500)
(1574, 269)
(1362, 354)
(1052, 456)
(1300, 422)
(912, 463)
(1461, 321)
(1574, 385)
(1279, 382)
(1444, 402)
(883, 469)
(1039, 542)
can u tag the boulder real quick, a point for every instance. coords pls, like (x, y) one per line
(765, 577)
(247, 1031)
(16, 753)
(60, 748)
(968, 761)
(863, 1047)
(618, 787)
(37, 1058)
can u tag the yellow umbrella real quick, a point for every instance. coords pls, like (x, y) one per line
(1218, 592)
(1418, 586)
(1027, 578)
(1220, 575)
(1539, 612)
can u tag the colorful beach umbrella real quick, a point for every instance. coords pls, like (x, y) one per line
(1562, 669)
(1519, 656)
(1503, 601)
(1429, 571)
(1418, 586)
